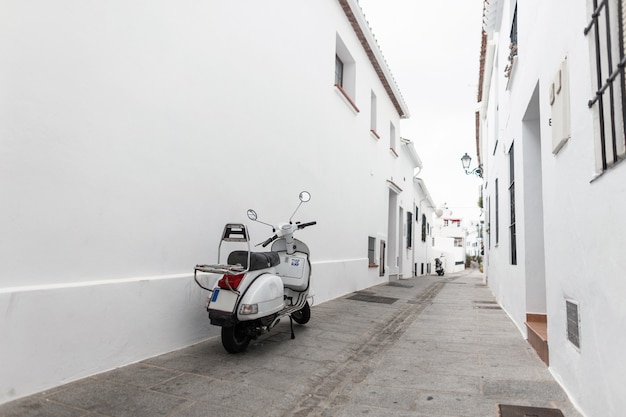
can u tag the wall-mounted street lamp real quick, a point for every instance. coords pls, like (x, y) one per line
(466, 160)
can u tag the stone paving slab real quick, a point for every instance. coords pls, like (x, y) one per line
(444, 348)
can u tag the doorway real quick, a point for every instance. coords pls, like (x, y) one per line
(534, 250)
(400, 250)
(392, 235)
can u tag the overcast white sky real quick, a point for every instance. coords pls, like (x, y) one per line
(433, 51)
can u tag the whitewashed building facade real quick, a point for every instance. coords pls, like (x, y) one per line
(425, 214)
(449, 242)
(551, 141)
(130, 132)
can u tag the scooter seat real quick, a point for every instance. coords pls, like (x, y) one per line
(258, 260)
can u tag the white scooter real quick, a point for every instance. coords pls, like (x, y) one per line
(257, 289)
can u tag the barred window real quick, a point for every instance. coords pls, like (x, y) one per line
(497, 213)
(512, 230)
(605, 31)
(409, 229)
(512, 46)
(371, 250)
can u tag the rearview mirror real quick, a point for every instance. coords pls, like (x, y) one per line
(252, 214)
(305, 196)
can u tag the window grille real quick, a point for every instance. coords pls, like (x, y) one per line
(409, 229)
(512, 201)
(382, 259)
(606, 30)
(371, 250)
(489, 222)
(512, 45)
(497, 213)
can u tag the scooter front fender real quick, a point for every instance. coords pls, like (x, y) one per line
(267, 293)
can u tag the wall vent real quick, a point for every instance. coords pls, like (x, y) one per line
(573, 322)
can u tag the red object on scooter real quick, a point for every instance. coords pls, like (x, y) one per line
(230, 282)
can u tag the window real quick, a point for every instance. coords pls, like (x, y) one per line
(381, 256)
(345, 73)
(605, 31)
(458, 242)
(392, 138)
(338, 71)
(512, 46)
(512, 201)
(373, 115)
(423, 228)
(489, 222)
(371, 251)
(409, 229)
(497, 214)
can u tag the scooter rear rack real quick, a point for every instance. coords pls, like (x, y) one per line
(217, 269)
(222, 269)
(233, 232)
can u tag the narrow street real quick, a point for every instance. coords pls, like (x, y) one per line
(427, 346)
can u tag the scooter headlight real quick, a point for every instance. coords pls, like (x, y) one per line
(246, 309)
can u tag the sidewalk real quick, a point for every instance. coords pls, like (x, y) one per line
(426, 346)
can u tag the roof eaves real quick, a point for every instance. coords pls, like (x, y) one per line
(410, 148)
(424, 188)
(361, 28)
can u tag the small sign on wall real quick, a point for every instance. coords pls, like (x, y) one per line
(560, 107)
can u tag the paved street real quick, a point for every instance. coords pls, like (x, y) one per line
(427, 346)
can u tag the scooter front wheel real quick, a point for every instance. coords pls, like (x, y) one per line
(303, 315)
(235, 339)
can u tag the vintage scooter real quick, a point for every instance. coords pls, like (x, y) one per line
(257, 289)
(439, 267)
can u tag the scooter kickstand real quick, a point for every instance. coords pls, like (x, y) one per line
(293, 336)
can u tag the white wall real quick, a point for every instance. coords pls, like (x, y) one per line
(131, 133)
(579, 223)
(444, 249)
(444, 244)
(53, 335)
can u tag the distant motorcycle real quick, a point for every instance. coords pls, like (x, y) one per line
(257, 289)
(439, 267)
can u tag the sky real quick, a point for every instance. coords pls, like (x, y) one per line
(433, 49)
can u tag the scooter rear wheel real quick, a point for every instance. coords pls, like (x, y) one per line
(303, 315)
(235, 339)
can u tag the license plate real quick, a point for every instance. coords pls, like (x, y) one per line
(223, 300)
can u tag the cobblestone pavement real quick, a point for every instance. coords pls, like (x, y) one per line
(425, 346)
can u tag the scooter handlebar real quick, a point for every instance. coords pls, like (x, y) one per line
(273, 238)
(269, 240)
(303, 225)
